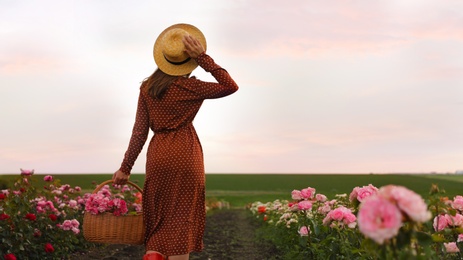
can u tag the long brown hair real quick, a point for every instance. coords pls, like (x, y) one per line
(157, 83)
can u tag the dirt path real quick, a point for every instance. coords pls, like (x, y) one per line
(229, 234)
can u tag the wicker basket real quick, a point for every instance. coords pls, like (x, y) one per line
(109, 229)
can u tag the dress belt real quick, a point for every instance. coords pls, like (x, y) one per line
(170, 130)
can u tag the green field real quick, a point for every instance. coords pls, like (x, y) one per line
(241, 189)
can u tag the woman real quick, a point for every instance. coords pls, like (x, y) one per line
(174, 189)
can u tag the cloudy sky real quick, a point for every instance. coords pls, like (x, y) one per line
(325, 86)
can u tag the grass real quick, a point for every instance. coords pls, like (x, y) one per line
(241, 189)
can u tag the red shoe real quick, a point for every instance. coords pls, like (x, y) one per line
(154, 256)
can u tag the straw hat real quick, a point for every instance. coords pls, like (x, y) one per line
(169, 52)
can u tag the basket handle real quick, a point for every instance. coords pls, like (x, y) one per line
(110, 181)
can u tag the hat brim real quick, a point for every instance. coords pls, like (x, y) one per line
(179, 69)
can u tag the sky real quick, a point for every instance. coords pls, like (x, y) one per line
(325, 86)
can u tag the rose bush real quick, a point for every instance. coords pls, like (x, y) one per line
(391, 222)
(31, 221)
(46, 224)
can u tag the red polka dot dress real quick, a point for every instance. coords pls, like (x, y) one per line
(174, 189)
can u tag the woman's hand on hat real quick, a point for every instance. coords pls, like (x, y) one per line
(192, 46)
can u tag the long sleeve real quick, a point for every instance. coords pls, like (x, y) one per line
(225, 84)
(139, 135)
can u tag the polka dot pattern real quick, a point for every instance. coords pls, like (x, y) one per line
(174, 189)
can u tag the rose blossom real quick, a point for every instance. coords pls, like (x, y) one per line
(9, 257)
(304, 205)
(379, 219)
(440, 223)
(460, 238)
(457, 203)
(31, 217)
(308, 193)
(296, 195)
(325, 208)
(407, 201)
(455, 221)
(27, 172)
(49, 248)
(48, 178)
(303, 231)
(342, 215)
(321, 198)
(451, 247)
(361, 193)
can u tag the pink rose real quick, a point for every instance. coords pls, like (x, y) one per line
(379, 219)
(304, 205)
(48, 178)
(353, 194)
(365, 192)
(408, 202)
(296, 195)
(342, 215)
(440, 223)
(321, 198)
(304, 231)
(308, 193)
(325, 208)
(27, 172)
(451, 247)
(457, 203)
(455, 221)
(460, 238)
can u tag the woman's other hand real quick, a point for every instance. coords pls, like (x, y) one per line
(192, 46)
(120, 178)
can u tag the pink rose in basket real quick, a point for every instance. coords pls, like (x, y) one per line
(379, 219)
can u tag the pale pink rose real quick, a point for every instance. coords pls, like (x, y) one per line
(304, 205)
(77, 188)
(408, 202)
(296, 195)
(342, 215)
(379, 219)
(353, 194)
(304, 231)
(27, 172)
(72, 204)
(308, 193)
(460, 238)
(455, 221)
(440, 223)
(325, 208)
(457, 203)
(365, 192)
(451, 247)
(321, 198)
(6, 192)
(48, 178)
(75, 230)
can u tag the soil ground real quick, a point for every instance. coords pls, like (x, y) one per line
(230, 234)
